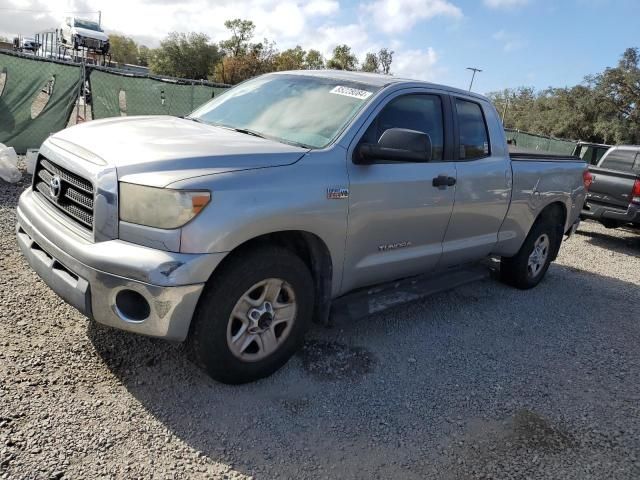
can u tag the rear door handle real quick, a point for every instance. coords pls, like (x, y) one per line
(442, 181)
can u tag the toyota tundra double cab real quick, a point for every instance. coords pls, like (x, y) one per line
(237, 226)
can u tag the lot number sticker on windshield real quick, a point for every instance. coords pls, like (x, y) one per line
(351, 92)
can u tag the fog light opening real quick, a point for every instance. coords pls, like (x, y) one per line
(132, 306)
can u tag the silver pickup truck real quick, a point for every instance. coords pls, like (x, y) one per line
(235, 227)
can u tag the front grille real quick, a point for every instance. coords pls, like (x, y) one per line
(70, 193)
(92, 43)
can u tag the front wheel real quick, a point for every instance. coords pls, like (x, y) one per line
(252, 316)
(527, 268)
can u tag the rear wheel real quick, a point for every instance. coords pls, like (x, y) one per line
(253, 315)
(527, 268)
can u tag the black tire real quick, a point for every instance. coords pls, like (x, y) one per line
(515, 270)
(208, 343)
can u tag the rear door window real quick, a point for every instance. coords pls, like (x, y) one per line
(621, 160)
(472, 130)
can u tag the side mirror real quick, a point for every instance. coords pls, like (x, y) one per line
(396, 145)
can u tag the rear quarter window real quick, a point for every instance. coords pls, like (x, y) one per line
(622, 160)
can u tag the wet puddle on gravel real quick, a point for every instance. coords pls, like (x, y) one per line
(335, 361)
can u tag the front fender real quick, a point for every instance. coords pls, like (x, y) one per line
(252, 203)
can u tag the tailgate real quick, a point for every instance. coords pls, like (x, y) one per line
(611, 187)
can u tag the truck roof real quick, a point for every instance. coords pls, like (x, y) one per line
(377, 80)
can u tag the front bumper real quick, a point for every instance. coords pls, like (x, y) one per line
(89, 275)
(92, 43)
(595, 211)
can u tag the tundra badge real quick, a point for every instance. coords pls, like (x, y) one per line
(337, 193)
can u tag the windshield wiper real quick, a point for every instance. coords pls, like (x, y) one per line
(193, 119)
(247, 131)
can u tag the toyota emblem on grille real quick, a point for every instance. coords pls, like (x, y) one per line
(55, 187)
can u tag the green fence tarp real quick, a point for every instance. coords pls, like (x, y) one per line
(26, 84)
(544, 144)
(114, 95)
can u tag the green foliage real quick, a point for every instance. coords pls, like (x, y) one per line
(241, 33)
(313, 60)
(185, 56)
(385, 58)
(123, 49)
(378, 63)
(342, 59)
(291, 59)
(370, 63)
(604, 109)
(144, 53)
(236, 58)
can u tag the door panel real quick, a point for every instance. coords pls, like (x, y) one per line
(397, 218)
(483, 193)
(483, 188)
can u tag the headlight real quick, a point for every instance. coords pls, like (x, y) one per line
(160, 207)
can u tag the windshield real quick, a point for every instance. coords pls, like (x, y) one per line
(89, 25)
(304, 110)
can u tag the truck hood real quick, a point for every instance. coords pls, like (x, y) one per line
(86, 33)
(159, 150)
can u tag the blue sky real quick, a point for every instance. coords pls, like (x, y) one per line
(537, 43)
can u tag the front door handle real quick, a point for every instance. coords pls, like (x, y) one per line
(443, 181)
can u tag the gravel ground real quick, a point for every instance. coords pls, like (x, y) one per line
(481, 382)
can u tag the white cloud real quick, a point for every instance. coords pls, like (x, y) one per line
(397, 16)
(326, 37)
(505, 3)
(510, 41)
(417, 64)
(321, 7)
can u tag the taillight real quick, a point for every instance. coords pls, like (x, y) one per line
(587, 179)
(635, 193)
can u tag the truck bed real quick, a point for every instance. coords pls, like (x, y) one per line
(524, 156)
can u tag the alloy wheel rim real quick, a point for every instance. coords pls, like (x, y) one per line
(538, 256)
(261, 320)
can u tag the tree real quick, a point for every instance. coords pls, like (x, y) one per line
(144, 53)
(123, 49)
(313, 60)
(290, 59)
(259, 58)
(371, 63)
(385, 57)
(343, 59)
(619, 90)
(241, 33)
(603, 109)
(185, 56)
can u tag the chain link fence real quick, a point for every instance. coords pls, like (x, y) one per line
(39, 96)
(119, 94)
(532, 141)
(36, 98)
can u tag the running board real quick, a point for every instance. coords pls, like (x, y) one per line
(367, 301)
